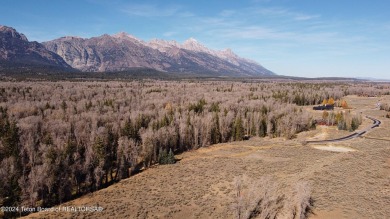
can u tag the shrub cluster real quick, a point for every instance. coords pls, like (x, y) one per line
(385, 107)
(343, 120)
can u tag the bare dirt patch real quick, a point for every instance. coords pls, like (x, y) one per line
(333, 148)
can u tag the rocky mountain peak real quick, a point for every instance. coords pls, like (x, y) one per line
(164, 42)
(228, 52)
(191, 40)
(12, 33)
(71, 38)
(163, 45)
(16, 50)
(124, 35)
(193, 45)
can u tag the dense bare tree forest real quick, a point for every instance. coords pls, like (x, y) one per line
(63, 139)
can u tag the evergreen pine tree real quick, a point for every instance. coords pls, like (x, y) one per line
(238, 129)
(263, 128)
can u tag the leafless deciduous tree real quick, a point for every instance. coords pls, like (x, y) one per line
(266, 198)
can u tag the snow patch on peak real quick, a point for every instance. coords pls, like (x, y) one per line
(228, 52)
(164, 42)
(163, 45)
(124, 35)
(191, 40)
(193, 45)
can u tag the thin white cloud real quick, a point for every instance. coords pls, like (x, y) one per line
(227, 13)
(251, 30)
(150, 10)
(185, 14)
(302, 17)
(275, 12)
(292, 27)
(169, 33)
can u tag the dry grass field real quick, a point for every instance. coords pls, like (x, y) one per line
(202, 184)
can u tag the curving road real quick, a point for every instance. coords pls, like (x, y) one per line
(353, 135)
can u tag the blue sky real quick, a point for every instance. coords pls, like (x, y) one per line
(290, 37)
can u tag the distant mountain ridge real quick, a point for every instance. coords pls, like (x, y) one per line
(16, 50)
(123, 51)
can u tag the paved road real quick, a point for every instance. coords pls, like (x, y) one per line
(353, 135)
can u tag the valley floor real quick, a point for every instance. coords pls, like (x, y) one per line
(344, 183)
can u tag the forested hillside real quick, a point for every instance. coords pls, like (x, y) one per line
(61, 140)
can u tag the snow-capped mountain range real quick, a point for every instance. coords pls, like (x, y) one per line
(122, 51)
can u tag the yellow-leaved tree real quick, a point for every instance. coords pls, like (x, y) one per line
(331, 101)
